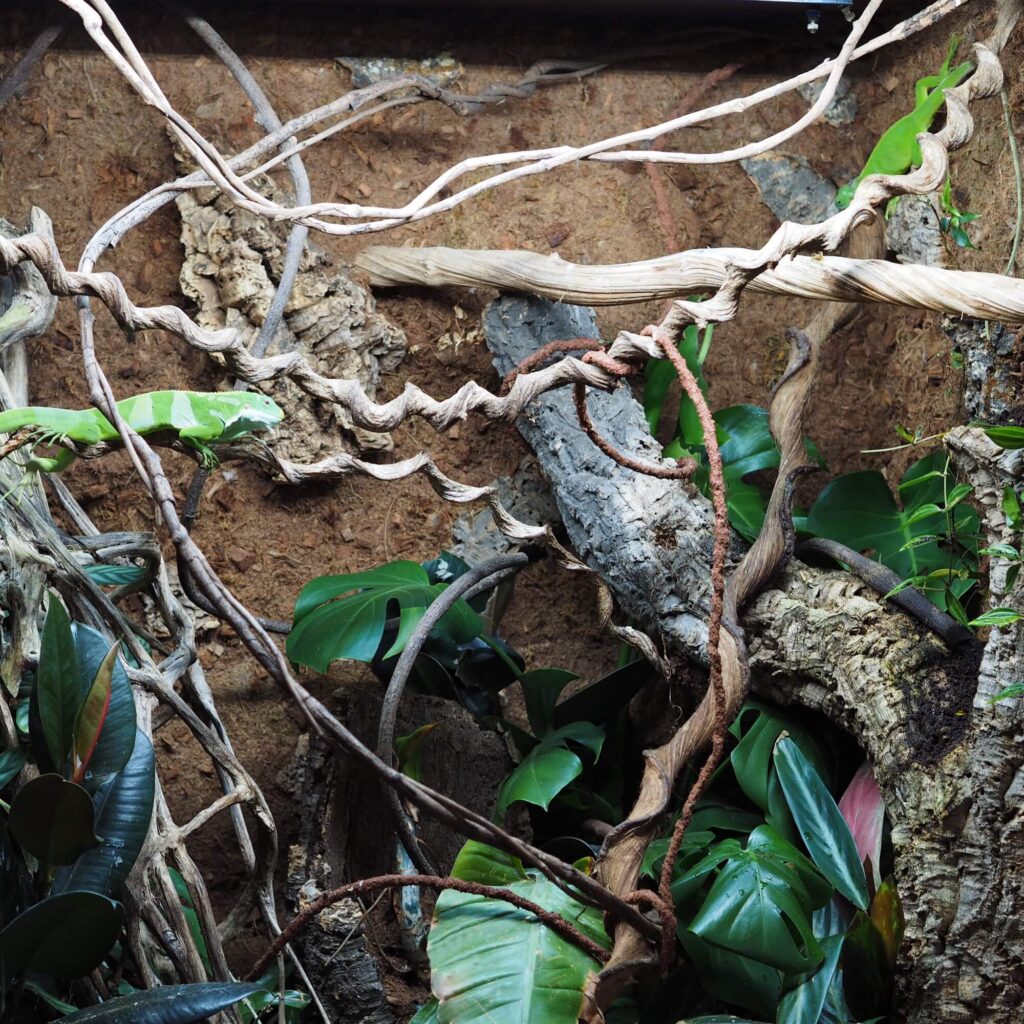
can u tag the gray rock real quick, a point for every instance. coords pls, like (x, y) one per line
(791, 188)
(842, 109)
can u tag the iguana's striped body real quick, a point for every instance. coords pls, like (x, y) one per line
(196, 417)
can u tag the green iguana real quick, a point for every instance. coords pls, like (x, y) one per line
(898, 150)
(196, 417)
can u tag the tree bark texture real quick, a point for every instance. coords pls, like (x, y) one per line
(948, 763)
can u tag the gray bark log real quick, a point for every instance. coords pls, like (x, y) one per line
(948, 764)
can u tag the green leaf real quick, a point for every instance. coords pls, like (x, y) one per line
(253, 1006)
(117, 738)
(170, 1004)
(866, 978)
(56, 693)
(996, 617)
(115, 575)
(344, 616)
(426, 1014)
(1007, 551)
(543, 774)
(759, 904)
(1007, 437)
(490, 960)
(859, 510)
(735, 979)
(803, 1003)
(123, 808)
(603, 699)
(12, 760)
(541, 688)
(195, 928)
(886, 914)
(92, 715)
(65, 935)
(478, 862)
(53, 820)
(958, 494)
(409, 750)
(1011, 508)
(822, 827)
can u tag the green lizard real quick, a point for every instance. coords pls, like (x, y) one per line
(196, 417)
(898, 150)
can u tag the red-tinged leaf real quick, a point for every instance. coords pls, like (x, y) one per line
(93, 714)
(862, 807)
(886, 913)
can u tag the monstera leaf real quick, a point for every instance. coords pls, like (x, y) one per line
(344, 616)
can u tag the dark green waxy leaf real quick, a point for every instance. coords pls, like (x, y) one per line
(718, 1018)
(694, 843)
(735, 979)
(550, 766)
(409, 750)
(866, 977)
(660, 374)
(92, 715)
(57, 694)
(123, 806)
(821, 824)
(53, 820)
(760, 903)
(188, 910)
(803, 1003)
(344, 616)
(723, 817)
(603, 699)
(12, 760)
(115, 575)
(1011, 508)
(65, 935)
(171, 1004)
(859, 510)
(117, 738)
(485, 953)
(541, 689)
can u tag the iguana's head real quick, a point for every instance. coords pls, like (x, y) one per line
(247, 412)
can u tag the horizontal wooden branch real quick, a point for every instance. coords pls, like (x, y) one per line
(827, 278)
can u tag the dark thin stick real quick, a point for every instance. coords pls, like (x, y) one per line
(480, 577)
(21, 71)
(549, 918)
(882, 579)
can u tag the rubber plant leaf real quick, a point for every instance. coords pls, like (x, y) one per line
(92, 715)
(170, 1004)
(53, 820)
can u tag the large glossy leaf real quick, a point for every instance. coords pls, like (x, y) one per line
(344, 616)
(124, 806)
(859, 510)
(660, 374)
(803, 1003)
(117, 739)
(604, 698)
(822, 827)
(53, 820)
(65, 935)
(491, 961)
(863, 811)
(426, 1014)
(171, 1004)
(12, 760)
(735, 979)
(56, 695)
(478, 862)
(92, 714)
(550, 766)
(541, 688)
(866, 975)
(760, 903)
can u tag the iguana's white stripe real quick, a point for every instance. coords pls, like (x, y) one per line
(141, 415)
(181, 410)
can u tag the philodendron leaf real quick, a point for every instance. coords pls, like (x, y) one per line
(170, 1004)
(123, 806)
(343, 616)
(92, 715)
(65, 935)
(56, 695)
(803, 1003)
(760, 903)
(822, 826)
(426, 1014)
(541, 688)
(859, 510)
(478, 862)
(53, 820)
(117, 737)
(550, 766)
(490, 960)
